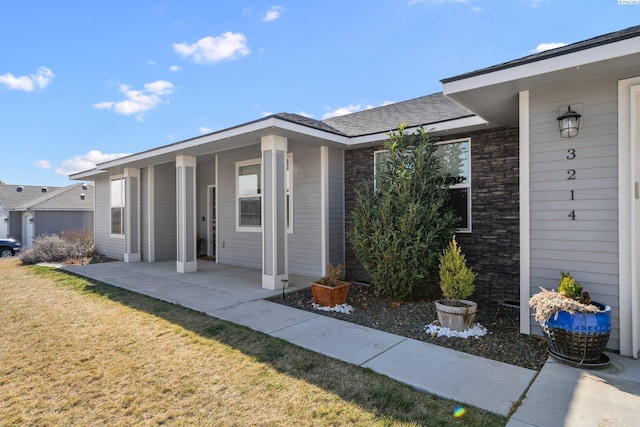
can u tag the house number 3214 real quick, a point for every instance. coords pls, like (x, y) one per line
(571, 176)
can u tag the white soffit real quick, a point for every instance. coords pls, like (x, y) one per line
(622, 53)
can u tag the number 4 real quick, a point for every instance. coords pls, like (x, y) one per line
(572, 215)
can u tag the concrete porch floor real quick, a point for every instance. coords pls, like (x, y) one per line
(212, 287)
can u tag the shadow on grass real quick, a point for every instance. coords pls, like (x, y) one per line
(391, 401)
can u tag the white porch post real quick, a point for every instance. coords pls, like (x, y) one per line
(186, 214)
(132, 215)
(274, 228)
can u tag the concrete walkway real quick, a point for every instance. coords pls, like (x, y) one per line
(557, 396)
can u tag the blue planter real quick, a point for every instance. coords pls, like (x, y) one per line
(579, 337)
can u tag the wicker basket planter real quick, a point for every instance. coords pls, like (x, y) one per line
(330, 296)
(578, 337)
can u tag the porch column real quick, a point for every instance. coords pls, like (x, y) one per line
(274, 228)
(186, 214)
(132, 215)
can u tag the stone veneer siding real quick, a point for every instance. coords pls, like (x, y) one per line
(492, 248)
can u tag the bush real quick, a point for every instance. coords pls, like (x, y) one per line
(456, 279)
(70, 245)
(400, 228)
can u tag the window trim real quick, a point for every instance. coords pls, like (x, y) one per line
(288, 171)
(122, 207)
(246, 228)
(466, 185)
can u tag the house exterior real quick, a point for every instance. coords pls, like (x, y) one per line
(275, 194)
(27, 211)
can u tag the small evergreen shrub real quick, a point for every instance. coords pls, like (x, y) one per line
(569, 287)
(456, 279)
(399, 228)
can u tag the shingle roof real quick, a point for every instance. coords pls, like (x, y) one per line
(54, 198)
(430, 109)
(306, 121)
(564, 50)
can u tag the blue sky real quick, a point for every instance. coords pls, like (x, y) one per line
(84, 81)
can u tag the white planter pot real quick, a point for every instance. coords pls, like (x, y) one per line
(457, 315)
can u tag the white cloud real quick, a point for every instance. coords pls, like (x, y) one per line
(85, 162)
(138, 101)
(341, 111)
(204, 129)
(40, 79)
(547, 46)
(273, 14)
(43, 164)
(213, 49)
(303, 114)
(351, 108)
(175, 68)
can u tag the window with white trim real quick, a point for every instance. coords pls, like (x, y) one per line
(117, 203)
(289, 192)
(249, 194)
(456, 164)
(455, 160)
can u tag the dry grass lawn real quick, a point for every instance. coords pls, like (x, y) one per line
(74, 352)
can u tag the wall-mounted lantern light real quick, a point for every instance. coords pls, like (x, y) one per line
(82, 196)
(569, 123)
(6, 220)
(30, 219)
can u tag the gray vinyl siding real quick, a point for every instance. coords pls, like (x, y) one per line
(588, 245)
(304, 245)
(206, 176)
(165, 216)
(55, 222)
(144, 214)
(336, 206)
(235, 248)
(105, 244)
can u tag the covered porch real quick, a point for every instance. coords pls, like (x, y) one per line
(212, 287)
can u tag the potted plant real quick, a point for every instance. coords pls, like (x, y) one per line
(576, 329)
(456, 282)
(330, 289)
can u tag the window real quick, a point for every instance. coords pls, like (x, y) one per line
(289, 192)
(249, 190)
(117, 206)
(249, 194)
(455, 160)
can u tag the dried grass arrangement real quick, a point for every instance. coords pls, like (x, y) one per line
(548, 303)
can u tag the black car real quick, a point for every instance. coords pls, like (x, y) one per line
(9, 247)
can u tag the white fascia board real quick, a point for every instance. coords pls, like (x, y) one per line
(450, 125)
(87, 174)
(210, 138)
(544, 66)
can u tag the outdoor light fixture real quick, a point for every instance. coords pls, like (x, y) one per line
(569, 123)
(82, 196)
(30, 219)
(6, 220)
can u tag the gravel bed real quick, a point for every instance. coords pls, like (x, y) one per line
(503, 341)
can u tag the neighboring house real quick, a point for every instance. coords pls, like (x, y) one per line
(275, 194)
(28, 211)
